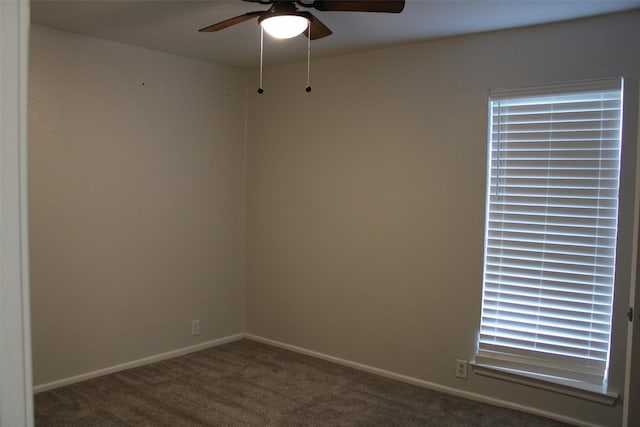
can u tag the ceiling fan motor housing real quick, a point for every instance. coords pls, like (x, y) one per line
(285, 8)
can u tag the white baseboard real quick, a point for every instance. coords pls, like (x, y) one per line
(136, 363)
(422, 383)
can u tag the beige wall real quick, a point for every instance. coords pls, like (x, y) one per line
(137, 200)
(366, 198)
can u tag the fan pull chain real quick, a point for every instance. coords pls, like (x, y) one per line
(260, 90)
(308, 89)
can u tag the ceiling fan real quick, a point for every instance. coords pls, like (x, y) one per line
(284, 20)
(294, 21)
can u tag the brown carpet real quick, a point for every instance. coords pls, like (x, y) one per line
(245, 383)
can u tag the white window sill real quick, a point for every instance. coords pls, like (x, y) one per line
(577, 389)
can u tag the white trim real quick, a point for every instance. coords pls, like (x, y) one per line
(421, 383)
(613, 83)
(633, 288)
(136, 363)
(586, 392)
(16, 397)
(25, 17)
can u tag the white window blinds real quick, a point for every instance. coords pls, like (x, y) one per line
(550, 238)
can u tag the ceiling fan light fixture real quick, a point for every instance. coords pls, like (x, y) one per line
(284, 26)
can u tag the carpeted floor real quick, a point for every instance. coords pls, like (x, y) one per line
(245, 383)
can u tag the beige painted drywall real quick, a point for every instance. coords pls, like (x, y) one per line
(366, 198)
(137, 201)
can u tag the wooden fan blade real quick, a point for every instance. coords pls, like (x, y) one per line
(385, 6)
(231, 21)
(316, 29)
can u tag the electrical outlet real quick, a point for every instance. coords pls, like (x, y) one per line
(461, 368)
(195, 327)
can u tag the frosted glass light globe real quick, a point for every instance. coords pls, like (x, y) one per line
(285, 26)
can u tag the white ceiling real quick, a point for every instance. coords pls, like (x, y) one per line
(171, 26)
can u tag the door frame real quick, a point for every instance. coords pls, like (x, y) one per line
(16, 388)
(631, 413)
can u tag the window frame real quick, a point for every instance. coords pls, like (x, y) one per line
(485, 366)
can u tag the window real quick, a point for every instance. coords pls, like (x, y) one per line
(551, 228)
